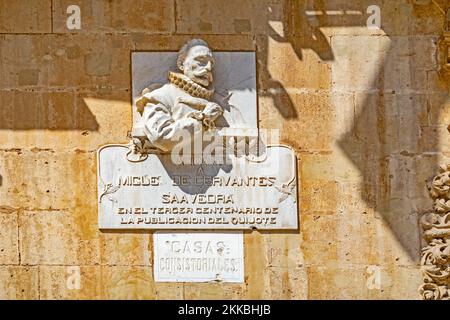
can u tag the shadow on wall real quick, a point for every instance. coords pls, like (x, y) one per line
(395, 136)
(301, 34)
(27, 110)
(392, 129)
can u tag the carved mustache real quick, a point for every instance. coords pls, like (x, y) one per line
(202, 73)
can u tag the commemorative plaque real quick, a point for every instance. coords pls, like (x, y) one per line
(198, 256)
(197, 164)
(157, 194)
(196, 159)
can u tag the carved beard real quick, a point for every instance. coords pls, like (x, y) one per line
(194, 89)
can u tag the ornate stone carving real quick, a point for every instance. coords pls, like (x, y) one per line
(286, 190)
(436, 230)
(108, 190)
(183, 107)
(139, 149)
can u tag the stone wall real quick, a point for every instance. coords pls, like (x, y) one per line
(366, 111)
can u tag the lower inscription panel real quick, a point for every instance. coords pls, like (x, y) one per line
(198, 256)
(243, 193)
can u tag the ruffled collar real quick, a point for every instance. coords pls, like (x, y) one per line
(189, 86)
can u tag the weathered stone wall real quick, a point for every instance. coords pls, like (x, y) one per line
(365, 110)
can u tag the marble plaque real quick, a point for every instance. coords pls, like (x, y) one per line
(198, 256)
(244, 193)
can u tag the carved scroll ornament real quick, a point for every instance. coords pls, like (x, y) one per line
(436, 231)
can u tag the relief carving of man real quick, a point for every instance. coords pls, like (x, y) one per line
(185, 103)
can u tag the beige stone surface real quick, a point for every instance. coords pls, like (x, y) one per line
(287, 284)
(129, 249)
(354, 69)
(57, 238)
(337, 17)
(154, 16)
(97, 282)
(362, 282)
(9, 253)
(255, 263)
(402, 17)
(74, 120)
(65, 62)
(19, 282)
(331, 238)
(439, 109)
(173, 42)
(55, 282)
(319, 197)
(366, 112)
(300, 118)
(130, 282)
(212, 291)
(34, 16)
(43, 179)
(285, 65)
(169, 291)
(74, 240)
(222, 17)
(398, 17)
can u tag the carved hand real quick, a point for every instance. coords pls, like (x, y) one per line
(212, 111)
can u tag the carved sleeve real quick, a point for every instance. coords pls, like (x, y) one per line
(163, 131)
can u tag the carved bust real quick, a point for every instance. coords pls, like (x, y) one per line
(185, 102)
